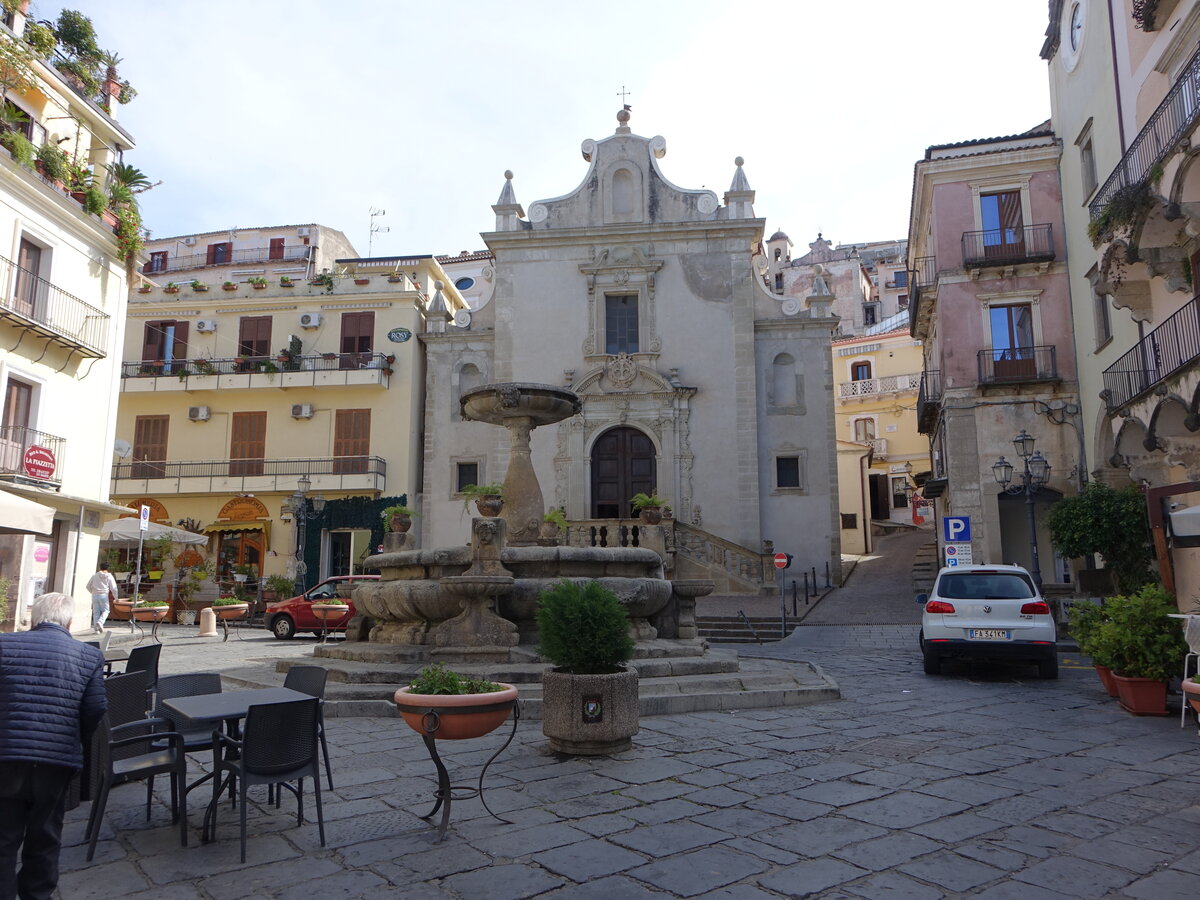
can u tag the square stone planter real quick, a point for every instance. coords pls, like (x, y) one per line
(589, 715)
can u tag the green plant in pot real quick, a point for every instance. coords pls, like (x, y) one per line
(648, 507)
(279, 587)
(244, 572)
(489, 498)
(397, 518)
(190, 582)
(1112, 523)
(449, 691)
(1143, 646)
(589, 698)
(1084, 620)
(554, 523)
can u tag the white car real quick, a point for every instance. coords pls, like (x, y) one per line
(987, 613)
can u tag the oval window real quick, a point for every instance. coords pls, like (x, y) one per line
(465, 284)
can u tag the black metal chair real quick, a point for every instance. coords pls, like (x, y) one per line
(117, 765)
(195, 736)
(127, 695)
(311, 680)
(145, 659)
(278, 745)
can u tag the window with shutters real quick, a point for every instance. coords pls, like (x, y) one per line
(254, 336)
(15, 424)
(29, 290)
(220, 253)
(157, 263)
(247, 443)
(275, 250)
(358, 335)
(164, 340)
(149, 446)
(351, 441)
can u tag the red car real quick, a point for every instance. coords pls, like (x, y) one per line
(285, 617)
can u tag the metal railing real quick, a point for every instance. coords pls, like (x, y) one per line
(929, 400)
(278, 468)
(48, 309)
(1012, 365)
(921, 277)
(236, 256)
(1167, 125)
(241, 365)
(16, 442)
(887, 384)
(1008, 246)
(1169, 348)
(878, 446)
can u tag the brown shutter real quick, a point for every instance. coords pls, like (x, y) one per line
(212, 254)
(151, 340)
(358, 334)
(254, 336)
(276, 251)
(248, 443)
(180, 350)
(351, 441)
(150, 446)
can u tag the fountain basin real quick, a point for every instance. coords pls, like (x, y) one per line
(538, 404)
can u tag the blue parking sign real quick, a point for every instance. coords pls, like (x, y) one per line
(956, 529)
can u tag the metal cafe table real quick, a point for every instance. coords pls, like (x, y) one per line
(229, 707)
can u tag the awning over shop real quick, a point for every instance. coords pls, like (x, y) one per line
(264, 527)
(19, 514)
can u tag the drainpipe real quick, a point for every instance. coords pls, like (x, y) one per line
(1112, 35)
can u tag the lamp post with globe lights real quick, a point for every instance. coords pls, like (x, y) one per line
(1035, 475)
(297, 505)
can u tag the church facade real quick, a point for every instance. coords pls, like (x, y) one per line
(697, 383)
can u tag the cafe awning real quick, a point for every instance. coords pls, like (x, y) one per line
(25, 516)
(127, 530)
(252, 525)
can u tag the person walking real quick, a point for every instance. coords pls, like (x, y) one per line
(51, 700)
(103, 588)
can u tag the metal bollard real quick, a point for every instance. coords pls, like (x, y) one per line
(828, 584)
(793, 597)
(814, 571)
(806, 589)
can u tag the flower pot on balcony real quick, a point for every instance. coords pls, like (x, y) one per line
(170, 290)
(362, 280)
(229, 287)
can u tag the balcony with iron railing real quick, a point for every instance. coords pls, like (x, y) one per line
(32, 456)
(1172, 347)
(30, 301)
(1016, 365)
(1170, 123)
(874, 387)
(1007, 246)
(202, 374)
(257, 475)
(236, 257)
(929, 400)
(879, 446)
(921, 277)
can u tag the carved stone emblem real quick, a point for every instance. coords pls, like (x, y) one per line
(622, 370)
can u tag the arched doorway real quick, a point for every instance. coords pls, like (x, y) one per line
(623, 464)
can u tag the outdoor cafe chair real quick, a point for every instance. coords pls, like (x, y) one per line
(193, 684)
(120, 762)
(311, 680)
(278, 745)
(145, 659)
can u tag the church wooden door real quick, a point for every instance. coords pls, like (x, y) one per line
(623, 464)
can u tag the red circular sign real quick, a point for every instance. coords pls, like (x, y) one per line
(781, 560)
(39, 462)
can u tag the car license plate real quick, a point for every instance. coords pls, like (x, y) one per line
(988, 634)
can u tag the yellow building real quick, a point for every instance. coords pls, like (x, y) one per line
(876, 377)
(236, 395)
(62, 306)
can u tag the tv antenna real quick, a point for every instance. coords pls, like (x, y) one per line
(376, 229)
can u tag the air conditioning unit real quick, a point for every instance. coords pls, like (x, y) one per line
(310, 320)
(206, 326)
(190, 241)
(302, 410)
(199, 413)
(303, 232)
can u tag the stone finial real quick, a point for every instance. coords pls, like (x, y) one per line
(740, 182)
(508, 211)
(739, 199)
(623, 121)
(508, 196)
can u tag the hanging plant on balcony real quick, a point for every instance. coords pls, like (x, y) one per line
(1123, 210)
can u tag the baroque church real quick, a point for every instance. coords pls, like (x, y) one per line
(697, 383)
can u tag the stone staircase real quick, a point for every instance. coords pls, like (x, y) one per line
(925, 568)
(739, 630)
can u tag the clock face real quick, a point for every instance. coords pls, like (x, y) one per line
(1076, 26)
(1072, 30)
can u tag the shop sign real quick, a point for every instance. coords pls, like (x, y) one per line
(39, 462)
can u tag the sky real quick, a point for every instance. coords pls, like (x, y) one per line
(276, 112)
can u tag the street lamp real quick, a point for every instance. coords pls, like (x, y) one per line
(298, 506)
(1036, 473)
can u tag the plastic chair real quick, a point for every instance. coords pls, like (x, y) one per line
(145, 659)
(195, 737)
(117, 766)
(1191, 634)
(311, 680)
(278, 745)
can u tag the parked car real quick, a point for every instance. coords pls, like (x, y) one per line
(286, 617)
(993, 613)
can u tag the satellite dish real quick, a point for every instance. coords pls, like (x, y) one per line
(462, 318)
(791, 306)
(122, 448)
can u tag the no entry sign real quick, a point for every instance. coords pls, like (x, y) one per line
(781, 560)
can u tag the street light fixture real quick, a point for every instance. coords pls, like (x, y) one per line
(1036, 474)
(298, 506)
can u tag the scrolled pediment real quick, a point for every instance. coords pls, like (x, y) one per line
(622, 374)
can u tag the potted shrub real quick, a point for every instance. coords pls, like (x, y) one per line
(397, 518)
(648, 508)
(285, 281)
(436, 687)
(242, 572)
(257, 281)
(278, 587)
(230, 607)
(1084, 620)
(171, 288)
(554, 523)
(190, 582)
(1144, 647)
(589, 698)
(230, 286)
(489, 498)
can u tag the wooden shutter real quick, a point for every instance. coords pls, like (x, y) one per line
(276, 249)
(18, 400)
(219, 253)
(254, 336)
(351, 441)
(152, 341)
(247, 443)
(358, 333)
(150, 446)
(180, 348)
(29, 262)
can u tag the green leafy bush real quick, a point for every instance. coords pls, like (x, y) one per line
(583, 628)
(227, 601)
(1110, 522)
(437, 679)
(1085, 620)
(20, 148)
(1138, 638)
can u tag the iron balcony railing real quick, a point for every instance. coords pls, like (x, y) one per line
(1171, 347)
(278, 468)
(234, 257)
(921, 277)
(1008, 246)
(1013, 365)
(1166, 127)
(49, 310)
(871, 387)
(878, 446)
(929, 400)
(31, 454)
(317, 362)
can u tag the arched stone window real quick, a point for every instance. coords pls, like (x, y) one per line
(622, 192)
(783, 380)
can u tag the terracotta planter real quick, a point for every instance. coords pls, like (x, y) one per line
(400, 524)
(650, 515)
(231, 610)
(1142, 696)
(120, 610)
(448, 725)
(362, 280)
(229, 287)
(590, 715)
(173, 290)
(150, 613)
(260, 287)
(489, 505)
(330, 613)
(1106, 679)
(1191, 693)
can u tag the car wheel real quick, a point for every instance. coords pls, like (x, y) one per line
(933, 663)
(284, 628)
(1048, 668)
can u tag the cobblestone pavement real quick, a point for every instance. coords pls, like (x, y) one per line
(979, 783)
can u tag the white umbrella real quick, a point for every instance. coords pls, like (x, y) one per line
(127, 530)
(19, 514)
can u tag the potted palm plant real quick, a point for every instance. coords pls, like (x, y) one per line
(436, 687)
(648, 507)
(554, 523)
(1145, 648)
(589, 698)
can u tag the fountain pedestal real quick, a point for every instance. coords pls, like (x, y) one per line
(478, 625)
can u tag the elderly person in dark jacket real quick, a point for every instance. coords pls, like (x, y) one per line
(51, 699)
